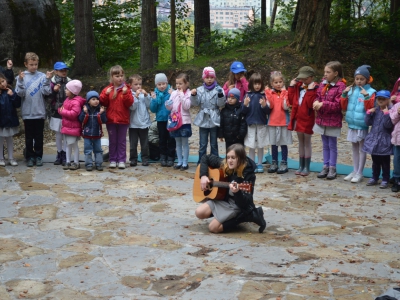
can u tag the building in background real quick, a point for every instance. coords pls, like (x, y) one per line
(230, 17)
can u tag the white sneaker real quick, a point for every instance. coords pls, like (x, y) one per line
(2, 163)
(13, 162)
(113, 164)
(350, 176)
(121, 165)
(357, 178)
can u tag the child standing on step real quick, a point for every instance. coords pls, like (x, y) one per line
(237, 80)
(377, 142)
(139, 122)
(161, 93)
(356, 100)
(255, 110)
(117, 98)
(180, 101)
(278, 120)
(9, 121)
(57, 97)
(301, 93)
(328, 122)
(210, 97)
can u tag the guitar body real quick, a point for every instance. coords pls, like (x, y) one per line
(214, 193)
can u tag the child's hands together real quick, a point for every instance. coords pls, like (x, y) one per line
(246, 101)
(10, 92)
(108, 91)
(102, 109)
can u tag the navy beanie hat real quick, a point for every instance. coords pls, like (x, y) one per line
(92, 94)
(363, 70)
(235, 93)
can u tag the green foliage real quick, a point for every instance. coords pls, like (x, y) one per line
(66, 9)
(285, 16)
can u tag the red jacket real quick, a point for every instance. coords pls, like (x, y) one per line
(303, 115)
(118, 108)
(70, 123)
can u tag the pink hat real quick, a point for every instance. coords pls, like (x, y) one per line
(208, 72)
(74, 86)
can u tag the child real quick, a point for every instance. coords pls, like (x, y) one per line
(117, 98)
(210, 97)
(58, 82)
(71, 126)
(356, 100)
(377, 142)
(92, 118)
(161, 93)
(278, 121)
(32, 86)
(395, 116)
(301, 93)
(255, 110)
(233, 127)
(395, 94)
(9, 123)
(328, 122)
(139, 122)
(8, 72)
(180, 100)
(237, 80)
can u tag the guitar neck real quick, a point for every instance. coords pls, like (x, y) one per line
(221, 184)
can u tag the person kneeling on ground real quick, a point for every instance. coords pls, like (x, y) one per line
(237, 207)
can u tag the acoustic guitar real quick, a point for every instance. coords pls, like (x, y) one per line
(217, 188)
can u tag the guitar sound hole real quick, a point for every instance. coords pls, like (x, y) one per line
(207, 192)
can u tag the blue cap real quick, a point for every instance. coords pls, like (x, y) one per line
(235, 93)
(60, 66)
(92, 94)
(237, 67)
(383, 93)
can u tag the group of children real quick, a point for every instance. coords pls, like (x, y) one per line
(245, 112)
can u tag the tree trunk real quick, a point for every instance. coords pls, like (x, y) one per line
(263, 12)
(173, 35)
(30, 26)
(147, 49)
(394, 16)
(85, 52)
(296, 16)
(273, 15)
(201, 23)
(312, 30)
(154, 32)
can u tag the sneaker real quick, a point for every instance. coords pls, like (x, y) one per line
(350, 176)
(384, 185)
(89, 168)
(113, 165)
(12, 162)
(2, 163)
(371, 182)
(39, 162)
(121, 165)
(133, 163)
(259, 169)
(272, 169)
(99, 168)
(145, 163)
(31, 162)
(183, 168)
(74, 166)
(66, 166)
(357, 178)
(282, 168)
(323, 173)
(331, 173)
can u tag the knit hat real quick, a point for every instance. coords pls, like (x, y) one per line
(208, 72)
(363, 70)
(237, 67)
(60, 66)
(74, 86)
(305, 72)
(383, 94)
(160, 77)
(92, 94)
(235, 93)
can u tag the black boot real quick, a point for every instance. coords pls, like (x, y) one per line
(230, 225)
(170, 161)
(256, 216)
(57, 162)
(63, 158)
(301, 166)
(163, 160)
(396, 185)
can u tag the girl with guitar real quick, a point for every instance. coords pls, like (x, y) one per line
(236, 207)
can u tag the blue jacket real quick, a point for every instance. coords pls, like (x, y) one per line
(157, 105)
(355, 113)
(8, 109)
(92, 121)
(377, 141)
(254, 113)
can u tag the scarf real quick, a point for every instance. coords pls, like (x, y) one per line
(210, 87)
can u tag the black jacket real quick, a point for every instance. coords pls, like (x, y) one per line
(243, 200)
(233, 126)
(8, 109)
(9, 74)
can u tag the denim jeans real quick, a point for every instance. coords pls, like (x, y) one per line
(204, 132)
(396, 162)
(93, 145)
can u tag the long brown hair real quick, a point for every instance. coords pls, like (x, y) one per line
(336, 66)
(256, 78)
(240, 153)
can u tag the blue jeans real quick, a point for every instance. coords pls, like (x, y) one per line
(204, 132)
(396, 162)
(93, 145)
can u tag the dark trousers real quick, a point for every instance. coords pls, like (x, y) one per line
(165, 141)
(154, 150)
(381, 162)
(34, 138)
(136, 135)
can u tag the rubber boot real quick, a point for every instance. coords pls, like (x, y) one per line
(230, 225)
(306, 169)
(63, 158)
(163, 160)
(255, 216)
(301, 166)
(396, 185)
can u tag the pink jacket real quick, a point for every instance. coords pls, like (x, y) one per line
(71, 109)
(242, 86)
(394, 115)
(176, 98)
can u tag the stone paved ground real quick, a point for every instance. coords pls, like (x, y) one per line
(132, 234)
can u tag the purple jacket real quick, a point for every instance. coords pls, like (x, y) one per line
(377, 141)
(395, 120)
(330, 114)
